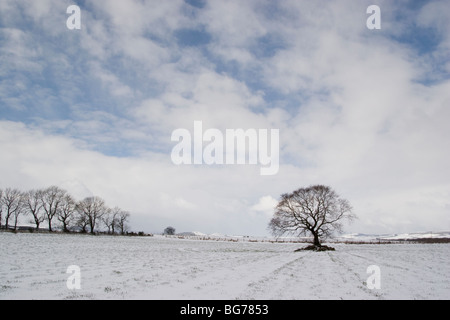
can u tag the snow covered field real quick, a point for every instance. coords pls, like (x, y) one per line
(33, 266)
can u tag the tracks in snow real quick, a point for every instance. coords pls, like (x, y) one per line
(313, 275)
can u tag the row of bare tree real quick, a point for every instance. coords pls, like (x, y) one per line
(56, 204)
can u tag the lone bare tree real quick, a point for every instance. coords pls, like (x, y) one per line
(316, 210)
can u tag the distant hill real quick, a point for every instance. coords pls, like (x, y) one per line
(418, 236)
(443, 236)
(191, 234)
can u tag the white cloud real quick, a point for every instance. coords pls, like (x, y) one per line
(153, 189)
(265, 205)
(350, 105)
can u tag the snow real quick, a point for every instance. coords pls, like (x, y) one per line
(33, 266)
(387, 237)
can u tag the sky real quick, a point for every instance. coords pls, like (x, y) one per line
(365, 111)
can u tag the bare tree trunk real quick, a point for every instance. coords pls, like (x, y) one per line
(316, 239)
(65, 229)
(16, 218)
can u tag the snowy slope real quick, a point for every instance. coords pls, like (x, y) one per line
(351, 237)
(402, 236)
(33, 266)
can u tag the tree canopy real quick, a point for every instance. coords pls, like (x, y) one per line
(316, 210)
